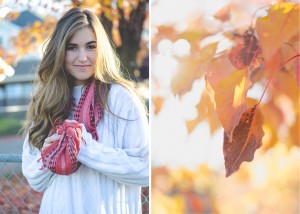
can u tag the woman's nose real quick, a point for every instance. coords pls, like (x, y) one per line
(82, 55)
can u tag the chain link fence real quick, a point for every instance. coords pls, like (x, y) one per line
(16, 196)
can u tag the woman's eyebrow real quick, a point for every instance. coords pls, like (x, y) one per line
(91, 42)
(88, 43)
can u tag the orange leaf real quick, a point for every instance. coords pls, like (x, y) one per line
(297, 72)
(295, 131)
(281, 23)
(217, 70)
(191, 69)
(247, 138)
(206, 111)
(224, 13)
(230, 98)
(202, 111)
(158, 102)
(285, 82)
(188, 71)
(273, 64)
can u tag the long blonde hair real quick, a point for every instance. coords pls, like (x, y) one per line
(51, 103)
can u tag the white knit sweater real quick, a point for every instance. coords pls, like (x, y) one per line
(112, 170)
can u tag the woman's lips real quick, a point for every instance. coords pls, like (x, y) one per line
(82, 67)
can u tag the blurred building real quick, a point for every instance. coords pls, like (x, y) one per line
(15, 90)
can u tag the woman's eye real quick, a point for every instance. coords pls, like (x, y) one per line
(71, 48)
(91, 46)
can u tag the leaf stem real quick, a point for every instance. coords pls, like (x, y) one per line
(297, 55)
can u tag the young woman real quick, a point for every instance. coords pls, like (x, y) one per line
(79, 80)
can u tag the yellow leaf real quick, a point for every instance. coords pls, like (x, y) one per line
(191, 69)
(188, 71)
(281, 23)
(206, 111)
(270, 138)
(120, 3)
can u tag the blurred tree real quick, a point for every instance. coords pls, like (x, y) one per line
(124, 21)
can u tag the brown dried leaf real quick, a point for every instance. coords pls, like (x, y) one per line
(247, 138)
(247, 53)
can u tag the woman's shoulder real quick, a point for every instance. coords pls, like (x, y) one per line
(118, 91)
(120, 95)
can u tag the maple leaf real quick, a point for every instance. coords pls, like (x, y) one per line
(281, 23)
(192, 68)
(247, 138)
(230, 98)
(188, 71)
(206, 111)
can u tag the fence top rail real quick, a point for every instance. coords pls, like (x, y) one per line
(16, 158)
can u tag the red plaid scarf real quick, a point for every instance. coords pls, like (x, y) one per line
(61, 156)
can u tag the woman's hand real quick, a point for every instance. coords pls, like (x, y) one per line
(70, 121)
(50, 140)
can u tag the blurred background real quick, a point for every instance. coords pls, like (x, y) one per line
(24, 27)
(188, 172)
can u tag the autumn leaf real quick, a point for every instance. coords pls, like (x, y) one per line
(285, 83)
(230, 98)
(247, 53)
(297, 72)
(192, 68)
(274, 119)
(165, 32)
(188, 71)
(224, 13)
(218, 69)
(281, 23)
(247, 138)
(206, 111)
(158, 102)
(294, 130)
(270, 137)
(194, 36)
(273, 64)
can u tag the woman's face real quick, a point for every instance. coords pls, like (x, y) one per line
(81, 55)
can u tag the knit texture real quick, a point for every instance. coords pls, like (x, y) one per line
(88, 110)
(61, 156)
(112, 169)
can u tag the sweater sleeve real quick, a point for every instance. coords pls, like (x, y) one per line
(127, 161)
(39, 179)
